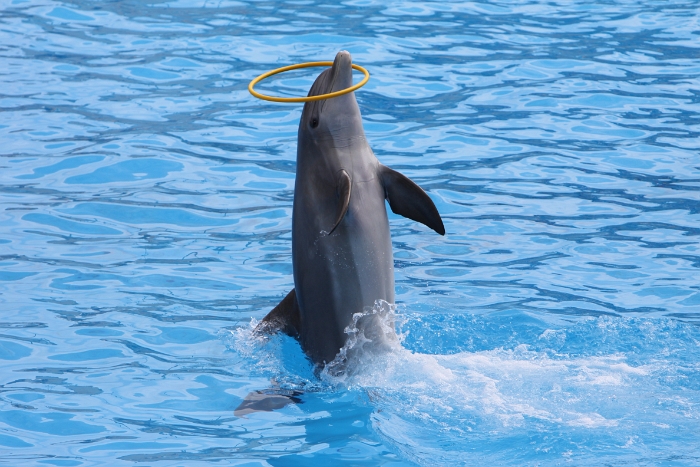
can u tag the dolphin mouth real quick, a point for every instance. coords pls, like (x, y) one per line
(341, 72)
(335, 78)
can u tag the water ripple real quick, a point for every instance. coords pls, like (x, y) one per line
(146, 219)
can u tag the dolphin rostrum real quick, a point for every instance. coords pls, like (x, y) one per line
(341, 246)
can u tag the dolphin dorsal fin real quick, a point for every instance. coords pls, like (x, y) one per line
(285, 317)
(409, 200)
(343, 187)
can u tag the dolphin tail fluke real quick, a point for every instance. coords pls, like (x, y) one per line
(266, 401)
(284, 318)
(409, 200)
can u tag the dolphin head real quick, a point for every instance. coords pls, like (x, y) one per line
(332, 122)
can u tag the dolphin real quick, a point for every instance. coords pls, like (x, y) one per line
(341, 246)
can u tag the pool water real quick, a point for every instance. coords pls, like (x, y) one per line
(145, 227)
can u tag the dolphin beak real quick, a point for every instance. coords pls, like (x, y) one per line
(342, 71)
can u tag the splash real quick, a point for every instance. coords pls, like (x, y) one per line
(276, 357)
(434, 407)
(371, 335)
(489, 398)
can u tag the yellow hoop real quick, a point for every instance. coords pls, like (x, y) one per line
(308, 98)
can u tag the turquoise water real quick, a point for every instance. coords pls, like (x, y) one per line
(146, 212)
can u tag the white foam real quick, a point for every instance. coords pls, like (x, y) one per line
(419, 398)
(503, 388)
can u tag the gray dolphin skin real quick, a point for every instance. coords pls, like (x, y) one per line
(341, 246)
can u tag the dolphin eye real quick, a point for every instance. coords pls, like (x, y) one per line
(314, 122)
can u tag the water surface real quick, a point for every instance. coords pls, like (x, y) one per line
(145, 216)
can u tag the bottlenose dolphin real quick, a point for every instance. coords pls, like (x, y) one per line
(341, 246)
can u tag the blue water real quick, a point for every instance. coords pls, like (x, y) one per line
(145, 216)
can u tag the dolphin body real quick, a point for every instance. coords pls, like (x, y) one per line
(341, 245)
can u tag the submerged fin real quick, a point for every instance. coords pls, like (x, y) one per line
(284, 318)
(409, 200)
(267, 401)
(344, 187)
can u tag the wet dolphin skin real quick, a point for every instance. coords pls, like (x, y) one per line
(341, 245)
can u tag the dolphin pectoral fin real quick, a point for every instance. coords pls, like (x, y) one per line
(409, 200)
(344, 187)
(284, 318)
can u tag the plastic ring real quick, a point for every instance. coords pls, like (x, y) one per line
(308, 98)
